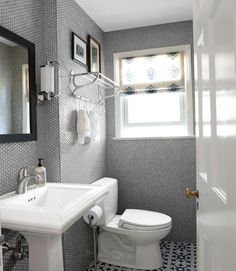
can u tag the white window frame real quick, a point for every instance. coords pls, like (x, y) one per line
(119, 116)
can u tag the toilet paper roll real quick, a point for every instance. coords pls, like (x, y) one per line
(95, 214)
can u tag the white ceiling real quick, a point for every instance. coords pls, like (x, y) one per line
(113, 15)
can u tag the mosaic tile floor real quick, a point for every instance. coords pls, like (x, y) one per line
(176, 257)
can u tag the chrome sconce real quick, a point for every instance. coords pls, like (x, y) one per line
(47, 82)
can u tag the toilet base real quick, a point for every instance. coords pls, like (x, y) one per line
(116, 249)
(148, 257)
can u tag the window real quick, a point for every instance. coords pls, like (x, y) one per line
(156, 93)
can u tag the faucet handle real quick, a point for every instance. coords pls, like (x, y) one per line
(25, 171)
(22, 173)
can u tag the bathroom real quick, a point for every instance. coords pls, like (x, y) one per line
(153, 171)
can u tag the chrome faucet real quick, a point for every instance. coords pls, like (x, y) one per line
(25, 175)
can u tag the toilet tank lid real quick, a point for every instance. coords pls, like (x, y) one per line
(143, 218)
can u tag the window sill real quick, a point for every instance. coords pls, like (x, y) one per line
(152, 138)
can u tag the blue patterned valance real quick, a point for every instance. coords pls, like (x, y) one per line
(152, 73)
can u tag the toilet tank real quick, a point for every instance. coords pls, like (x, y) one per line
(109, 205)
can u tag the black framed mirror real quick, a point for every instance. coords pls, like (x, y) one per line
(18, 95)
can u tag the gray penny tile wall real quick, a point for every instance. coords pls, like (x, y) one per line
(79, 163)
(32, 20)
(49, 24)
(152, 174)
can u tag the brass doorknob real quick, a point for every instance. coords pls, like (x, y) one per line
(190, 193)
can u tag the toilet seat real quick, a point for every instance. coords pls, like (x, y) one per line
(118, 225)
(134, 219)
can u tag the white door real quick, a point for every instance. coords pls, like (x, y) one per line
(215, 69)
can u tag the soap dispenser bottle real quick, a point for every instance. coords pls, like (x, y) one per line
(41, 171)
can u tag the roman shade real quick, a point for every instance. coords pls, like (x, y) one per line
(152, 73)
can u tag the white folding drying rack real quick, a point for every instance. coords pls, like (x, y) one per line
(98, 78)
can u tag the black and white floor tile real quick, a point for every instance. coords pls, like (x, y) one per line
(176, 257)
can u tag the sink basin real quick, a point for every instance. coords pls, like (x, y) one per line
(43, 213)
(50, 209)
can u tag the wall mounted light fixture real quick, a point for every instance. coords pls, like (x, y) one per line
(47, 82)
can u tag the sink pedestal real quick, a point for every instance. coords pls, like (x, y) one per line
(43, 214)
(45, 252)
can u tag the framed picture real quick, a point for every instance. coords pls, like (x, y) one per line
(79, 50)
(94, 55)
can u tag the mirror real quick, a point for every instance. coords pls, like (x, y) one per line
(17, 88)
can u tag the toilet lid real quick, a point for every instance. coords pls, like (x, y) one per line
(141, 219)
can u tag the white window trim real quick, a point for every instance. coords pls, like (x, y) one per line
(188, 83)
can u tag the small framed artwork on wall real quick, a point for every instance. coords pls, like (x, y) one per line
(79, 50)
(94, 55)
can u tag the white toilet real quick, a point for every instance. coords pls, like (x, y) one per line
(131, 239)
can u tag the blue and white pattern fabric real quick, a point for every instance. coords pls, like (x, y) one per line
(162, 72)
(176, 257)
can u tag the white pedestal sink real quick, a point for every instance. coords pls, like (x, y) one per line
(45, 251)
(42, 214)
